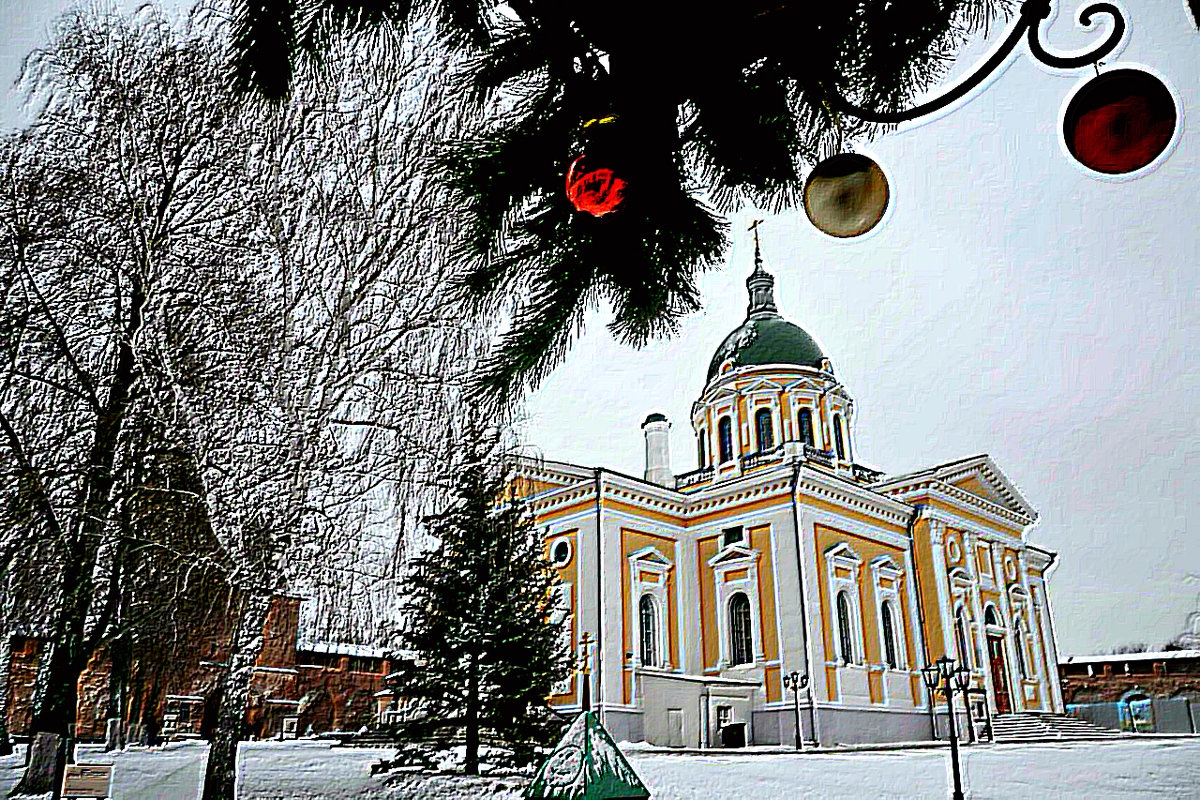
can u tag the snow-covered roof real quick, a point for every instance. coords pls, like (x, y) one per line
(358, 650)
(1122, 657)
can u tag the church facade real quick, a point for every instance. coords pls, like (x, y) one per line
(780, 555)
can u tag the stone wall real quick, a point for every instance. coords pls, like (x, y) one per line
(183, 681)
(1109, 681)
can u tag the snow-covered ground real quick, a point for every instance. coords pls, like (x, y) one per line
(1116, 770)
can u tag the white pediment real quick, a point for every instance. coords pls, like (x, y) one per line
(735, 552)
(649, 556)
(981, 477)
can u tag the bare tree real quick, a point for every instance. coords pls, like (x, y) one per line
(252, 301)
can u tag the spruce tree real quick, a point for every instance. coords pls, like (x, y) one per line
(487, 651)
(711, 108)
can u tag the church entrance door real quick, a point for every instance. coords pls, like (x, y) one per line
(999, 674)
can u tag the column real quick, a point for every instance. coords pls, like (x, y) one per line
(1033, 624)
(937, 534)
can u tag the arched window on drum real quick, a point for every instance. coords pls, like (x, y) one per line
(838, 441)
(764, 436)
(725, 439)
(806, 428)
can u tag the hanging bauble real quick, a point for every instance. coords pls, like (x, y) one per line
(596, 191)
(846, 195)
(592, 184)
(1120, 121)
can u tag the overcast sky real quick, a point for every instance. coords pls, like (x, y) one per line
(1009, 305)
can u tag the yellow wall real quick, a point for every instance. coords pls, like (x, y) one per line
(631, 542)
(866, 549)
(568, 573)
(706, 548)
(923, 555)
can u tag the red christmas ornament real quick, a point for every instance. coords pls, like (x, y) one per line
(1120, 121)
(596, 191)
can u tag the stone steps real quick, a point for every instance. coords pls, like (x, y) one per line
(1040, 727)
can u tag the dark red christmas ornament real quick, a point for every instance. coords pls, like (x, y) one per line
(1120, 121)
(596, 191)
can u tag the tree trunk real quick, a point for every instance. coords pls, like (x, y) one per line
(220, 776)
(471, 763)
(6, 648)
(58, 692)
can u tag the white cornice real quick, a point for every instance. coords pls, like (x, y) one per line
(960, 498)
(834, 488)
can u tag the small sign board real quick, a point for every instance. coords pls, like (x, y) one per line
(87, 780)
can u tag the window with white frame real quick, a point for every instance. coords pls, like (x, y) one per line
(806, 427)
(735, 534)
(842, 567)
(839, 443)
(763, 435)
(649, 603)
(889, 635)
(741, 638)
(960, 637)
(725, 439)
(648, 617)
(739, 624)
(845, 629)
(888, 580)
(1019, 637)
(990, 617)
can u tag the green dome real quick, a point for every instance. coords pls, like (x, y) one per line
(767, 339)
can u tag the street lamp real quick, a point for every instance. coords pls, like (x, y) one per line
(942, 671)
(797, 683)
(962, 681)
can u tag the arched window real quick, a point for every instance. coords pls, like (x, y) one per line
(806, 428)
(989, 617)
(845, 637)
(700, 443)
(740, 641)
(1019, 637)
(649, 619)
(889, 635)
(725, 439)
(762, 429)
(960, 638)
(838, 441)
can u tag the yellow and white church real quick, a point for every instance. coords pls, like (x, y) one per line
(781, 555)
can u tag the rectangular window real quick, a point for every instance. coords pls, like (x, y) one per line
(732, 536)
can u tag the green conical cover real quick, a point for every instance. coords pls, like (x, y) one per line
(586, 765)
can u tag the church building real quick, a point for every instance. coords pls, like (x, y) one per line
(780, 560)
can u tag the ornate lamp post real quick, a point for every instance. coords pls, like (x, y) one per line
(942, 671)
(797, 683)
(962, 681)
